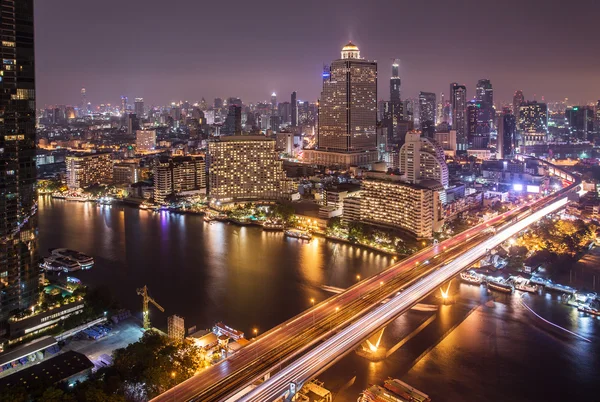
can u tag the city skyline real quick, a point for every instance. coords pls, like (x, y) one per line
(121, 56)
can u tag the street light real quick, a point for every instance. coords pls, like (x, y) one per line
(255, 331)
(358, 278)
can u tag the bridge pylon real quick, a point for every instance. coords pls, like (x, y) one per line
(371, 348)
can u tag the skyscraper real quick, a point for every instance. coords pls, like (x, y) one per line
(422, 158)
(18, 206)
(83, 104)
(273, 103)
(485, 96)
(294, 103)
(396, 105)
(139, 107)
(233, 121)
(533, 122)
(458, 99)
(123, 105)
(507, 134)
(518, 100)
(347, 112)
(427, 107)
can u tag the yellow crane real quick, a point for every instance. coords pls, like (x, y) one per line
(146, 298)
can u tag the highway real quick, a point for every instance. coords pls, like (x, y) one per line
(275, 348)
(318, 359)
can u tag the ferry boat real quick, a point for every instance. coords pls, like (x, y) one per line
(525, 287)
(84, 261)
(500, 287)
(471, 277)
(268, 225)
(589, 310)
(405, 391)
(59, 264)
(298, 234)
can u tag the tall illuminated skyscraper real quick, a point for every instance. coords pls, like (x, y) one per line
(139, 107)
(458, 99)
(396, 105)
(518, 100)
(427, 113)
(18, 205)
(347, 112)
(294, 104)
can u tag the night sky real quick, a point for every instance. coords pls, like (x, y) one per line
(175, 50)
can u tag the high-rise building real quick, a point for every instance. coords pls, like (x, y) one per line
(145, 140)
(485, 96)
(133, 123)
(285, 112)
(597, 120)
(347, 112)
(458, 99)
(124, 105)
(273, 103)
(580, 120)
(18, 201)
(533, 123)
(507, 134)
(233, 121)
(126, 173)
(175, 327)
(388, 201)
(218, 103)
(427, 113)
(518, 100)
(422, 158)
(244, 168)
(294, 103)
(396, 105)
(139, 107)
(478, 125)
(174, 175)
(83, 104)
(85, 170)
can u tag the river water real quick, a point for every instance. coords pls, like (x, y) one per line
(480, 347)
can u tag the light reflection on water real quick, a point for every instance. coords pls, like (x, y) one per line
(205, 272)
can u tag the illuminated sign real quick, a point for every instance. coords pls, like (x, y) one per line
(533, 189)
(518, 187)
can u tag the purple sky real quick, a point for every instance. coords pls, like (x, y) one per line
(174, 50)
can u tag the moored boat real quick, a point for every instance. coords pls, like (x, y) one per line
(298, 234)
(500, 287)
(84, 261)
(471, 277)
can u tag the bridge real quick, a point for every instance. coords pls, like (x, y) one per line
(294, 352)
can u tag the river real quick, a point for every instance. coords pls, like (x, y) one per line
(471, 349)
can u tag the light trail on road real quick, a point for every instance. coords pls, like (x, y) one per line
(319, 358)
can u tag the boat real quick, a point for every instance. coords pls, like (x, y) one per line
(525, 287)
(268, 225)
(500, 287)
(59, 264)
(588, 310)
(405, 391)
(105, 200)
(84, 261)
(298, 234)
(207, 218)
(241, 221)
(471, 277)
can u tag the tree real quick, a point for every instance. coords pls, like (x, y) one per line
(56, 395)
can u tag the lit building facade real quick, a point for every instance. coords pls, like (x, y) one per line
(18, 205)
(88, 169)
(422, 158)
(145, 140)
(178, 174)
(347, 111)
(244, 168)
(458, 99)
(126, 173)
(388, 201)
(427, 106)
(533, 123)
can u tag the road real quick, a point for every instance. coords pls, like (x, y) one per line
(319, 358)
(275, 348)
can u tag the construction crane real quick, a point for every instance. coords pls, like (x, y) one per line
(146, 298)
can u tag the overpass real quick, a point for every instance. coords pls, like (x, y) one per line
(319, 336)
